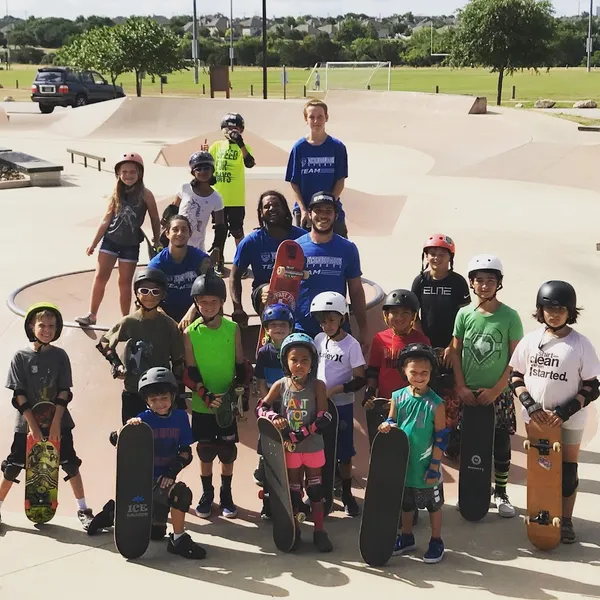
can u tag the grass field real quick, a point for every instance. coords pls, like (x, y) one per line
(566, 85)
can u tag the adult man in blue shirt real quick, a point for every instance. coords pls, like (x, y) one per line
(317, 162)
(258, 250)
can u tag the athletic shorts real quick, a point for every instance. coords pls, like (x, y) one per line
(206, 430)
(123, 253)
(571, 436)
(312, 460)
(430, 498)
(18, 449)
(234, 218)
(345, 439)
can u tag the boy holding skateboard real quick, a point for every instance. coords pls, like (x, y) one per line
(342, 370)
(485, 336)
(420, 413)
(42, 373)
(555, 377)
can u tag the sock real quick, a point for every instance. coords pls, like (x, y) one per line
(226, 481)
(501, 476)
(347, 487)
(176, 536)
(318, 513)
(81, 504)
(207, 485)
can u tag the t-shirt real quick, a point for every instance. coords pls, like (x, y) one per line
(258, 250)
(440, 300)
(330, 265)
(268, 364)
(150, 343)
(40, 375)
(230, 172)
(336, 361)
(180, 277)
(317, 168)
(554, 373)
(198, 210)
(170, 434)
(385, 350)
(486, 343)
(124, 226)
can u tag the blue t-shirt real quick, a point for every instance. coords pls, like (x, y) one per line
(317, 168)
(180, 277)
(258, 250)
(268, 364)
(330, 266)
(170, 434)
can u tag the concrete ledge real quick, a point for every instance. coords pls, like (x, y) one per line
(45, 178)
(588, 128)
(15, 183)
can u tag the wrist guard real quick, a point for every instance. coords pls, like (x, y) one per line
(322, 421)
(355, 384)
(181, 462)
(264, 410)
(529, 404)
(567, 410)
(390, 421)
(299, 436)
(220, 236)
(111, 356)
(249, 161)
(434, 473)
(192, 378)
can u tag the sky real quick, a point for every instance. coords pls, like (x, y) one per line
(112, 8)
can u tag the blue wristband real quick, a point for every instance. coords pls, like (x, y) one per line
(434, 461)
(390, 421)
(433, 474)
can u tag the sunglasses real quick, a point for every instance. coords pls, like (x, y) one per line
(201, 168)
(150, 291)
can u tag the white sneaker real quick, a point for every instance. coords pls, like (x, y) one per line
(505, 508)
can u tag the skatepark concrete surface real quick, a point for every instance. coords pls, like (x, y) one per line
(510, 182)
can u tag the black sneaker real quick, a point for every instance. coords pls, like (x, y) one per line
(567, 533)
(228, 508)
(204, 507)
(85, 518)
(186, 547)
(265, 512)
(220, 269)
(351, 507)
(322, 542)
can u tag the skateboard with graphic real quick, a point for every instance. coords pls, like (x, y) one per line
(544, 485)
(41, 468)
(330, 435)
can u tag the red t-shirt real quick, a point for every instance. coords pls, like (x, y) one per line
(385, 350)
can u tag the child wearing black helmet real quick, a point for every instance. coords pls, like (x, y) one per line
(555, 377)
(420, 413)
(151, 339)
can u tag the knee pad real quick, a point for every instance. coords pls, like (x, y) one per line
(180, 497)
(11, 471)
(502, 451)
(570, 481)
(71, 468)
(296, 496)
(206, 452)
(314, 489)
(227, 453)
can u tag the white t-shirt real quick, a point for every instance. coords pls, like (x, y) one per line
(553, 375)
(336, 361)
(198, 210)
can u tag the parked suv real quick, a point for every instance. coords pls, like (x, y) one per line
(61, 86)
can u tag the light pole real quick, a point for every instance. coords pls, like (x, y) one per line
(195, 44)
(589, 40)
(231, 34)
(264, 46)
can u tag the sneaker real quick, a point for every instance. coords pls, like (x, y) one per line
(259, 473)
(228, 508)
(85, 518)
(265, 511)
(505, 508)
(435, 552)
(351, 507)
(322, 542)
(404, 543)
(220, 269)
(567, 533)
(204, 507)
(186, 547)
(86, 321)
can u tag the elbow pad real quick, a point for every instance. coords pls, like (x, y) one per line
(249, 161)
(64, 401)
(21, 407)
(590, 390)
(355, 384)
(372, 372)
(516, 381)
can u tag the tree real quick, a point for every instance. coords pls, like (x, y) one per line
(350, 30)
(568, 46)
(504, 35)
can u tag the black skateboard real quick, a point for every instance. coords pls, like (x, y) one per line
(376, 416)
(329, 469)
(476, 451)
(383, 496)
(135, 478)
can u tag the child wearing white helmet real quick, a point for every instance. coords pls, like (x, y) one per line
(485, 335)
(342, 369)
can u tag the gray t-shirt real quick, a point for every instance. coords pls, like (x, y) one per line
(40, 375)
(124, 227)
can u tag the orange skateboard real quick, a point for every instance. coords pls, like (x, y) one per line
(544, 485)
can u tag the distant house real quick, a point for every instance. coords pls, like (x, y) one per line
(251, 27)
(279, 28)
(307, 29)
(382, 31)
(330, 30)
(421, 24)
(216, 25)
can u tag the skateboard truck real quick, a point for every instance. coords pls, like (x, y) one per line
(288, 273)
(543, 446)
(239, 406)
(543, 518)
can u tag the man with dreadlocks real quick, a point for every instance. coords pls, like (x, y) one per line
(258, 250)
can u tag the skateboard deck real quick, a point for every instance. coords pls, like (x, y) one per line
(544, 485)
(376, 416)
(475, 471)
(133, 500)
(284, 285)
(330, 443)
(41, 468)
(277, 485)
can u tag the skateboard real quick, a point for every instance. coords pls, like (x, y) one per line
(133, 500)
(544, 485)
(284, 285)
(232, 407)
(278, 485)
(376, 416)
(475, 471)
(383, 496)
(330, 445)
(152, 252)
(41, 468)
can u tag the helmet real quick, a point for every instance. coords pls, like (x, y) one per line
(149, 275)
(485, 262)
(557, 293)
(329, 301)
(298, 339)
(201, 158)
(439, 240)
(209, 285)
(156, 376)
(403, 299)
(278, 312)
(133, 157)
(232, 120)
(322, 198)
(418, 350)
(39, 307)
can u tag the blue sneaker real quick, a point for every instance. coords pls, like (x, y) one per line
(435, 552)
(229, 509)
(404, 543)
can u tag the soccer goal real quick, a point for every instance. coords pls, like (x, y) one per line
(359, 75)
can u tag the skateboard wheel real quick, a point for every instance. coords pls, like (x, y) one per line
(300, 517)
(527, 519)
(261, 494)
(556, 522)
(280, 271)
(306, 275)
(556, 446)
(526, 444)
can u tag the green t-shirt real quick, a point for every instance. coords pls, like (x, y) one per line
(415, 415)
(486, 343)
(230, 172)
